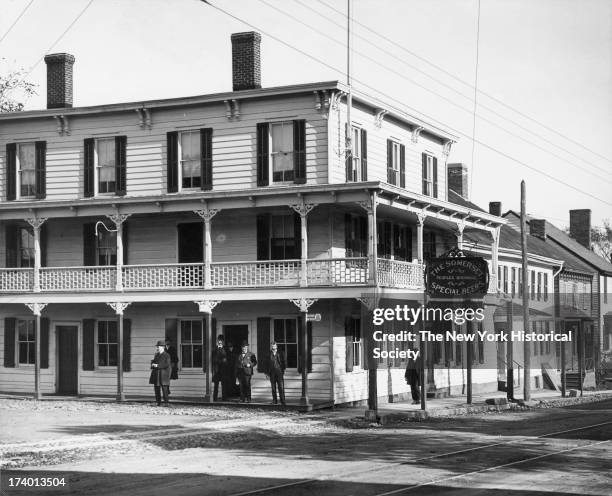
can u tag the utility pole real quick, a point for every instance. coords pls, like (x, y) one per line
(349, 96)
(526, 344)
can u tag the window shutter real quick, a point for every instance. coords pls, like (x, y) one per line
(44, 343)
(89, 244)
(263, 161)
(297, 234)
(205, 346)
(125, 237)
(9, 341)
(402, 166)
(299, 151)
(172, 331)
(347, 236)
(390, 172)
(206, 170)
(364, 155)
(348, 156)
(435, 177)
(40, 168)
(11, 242)
(349, 345)
(88, 171)
(89, 347)
(263, 237)
(44, 238)
(127, 343)
(301, 345)
(424, 173)
(263, 344)
(120, 165)
(172, 161)
(11, 171)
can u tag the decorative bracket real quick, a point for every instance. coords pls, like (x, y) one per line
(303, 208)
(62, 125)
(421, 217)
(118, 306)
(147, 118)
(232, 109)
(208, 213)
(206, 306)
(378, 118)
(303, 303)
(140, 118)
(118, 219)
(36, 308)
(317, 98)
(334, 100)
(236, 104)
(460, 227)
(368, 301)
(36, 222)
(366, 205)
(447, 147)
(416, 132)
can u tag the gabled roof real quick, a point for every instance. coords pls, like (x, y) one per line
(455, 197)
(571, 247)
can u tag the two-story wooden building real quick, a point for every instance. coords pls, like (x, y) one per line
(232, 213)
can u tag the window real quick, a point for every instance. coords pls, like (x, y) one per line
(281, 146)
(430, 175)
(108, 348)
(25, 257)
(547, 330)
(105, 165)
(191, 344)
(356, 162)
(26, 170)
(539, 290)
(106, 247)
(353, 338)
(402, 243)
(190, 160)
(429, 245)
(282, 238)
(533, 285)
(26, 341)
(514, 285)
(393, 163)
(285, 336)
(356, 236)
(545, 287)
(505, 278)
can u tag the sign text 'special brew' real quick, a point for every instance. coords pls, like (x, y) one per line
(457, 277)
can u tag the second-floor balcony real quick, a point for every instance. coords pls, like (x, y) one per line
(333, 272)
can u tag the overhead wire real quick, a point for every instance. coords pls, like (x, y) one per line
(16, 20)
(473, 163)
(391, 98)
(452, 102)
(448, 73)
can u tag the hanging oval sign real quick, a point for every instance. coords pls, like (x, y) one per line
(457, 277)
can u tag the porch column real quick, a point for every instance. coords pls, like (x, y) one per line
(370, 302)
(304, 304)
(459, 234)
(370, 208)
(303, 209)
(36, 309)
(207, 214)
(421, 221)
(119, 307)
(36, 223)
(118, 220)
(206, 306)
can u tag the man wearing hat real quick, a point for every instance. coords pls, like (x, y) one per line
(161, 368)
(219, 369)
(245, 362)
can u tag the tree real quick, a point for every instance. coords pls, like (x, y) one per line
(601, 240)
(15, 89)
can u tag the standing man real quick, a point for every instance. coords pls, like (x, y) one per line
(413, 376)
(161, 367)
(244, 370)
(171, 350)
(277, 372)
(219, 369)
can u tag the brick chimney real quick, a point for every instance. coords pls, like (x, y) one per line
(59, 80)
(495, 208)
(246, 61)
(458, 179)
(537, 227)
(580, 226)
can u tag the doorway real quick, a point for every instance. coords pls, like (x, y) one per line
(190, 243)
(234, 335)
(67, 359)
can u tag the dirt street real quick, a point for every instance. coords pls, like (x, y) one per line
(101, 449)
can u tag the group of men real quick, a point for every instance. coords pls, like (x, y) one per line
(227, 366)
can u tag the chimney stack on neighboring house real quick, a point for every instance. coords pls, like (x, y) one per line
(495, 208)
(246, 61)
(59, 80)
(537, 227)
(580, 226)
(458, 179)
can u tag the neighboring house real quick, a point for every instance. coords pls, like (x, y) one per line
(234, 213)
(585, 302)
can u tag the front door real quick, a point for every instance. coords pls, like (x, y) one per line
(234, 335)
(67, 358)
(190, 243)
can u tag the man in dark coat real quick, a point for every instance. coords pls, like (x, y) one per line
(413, 378)
(161, 368)
(219, 370)
(231, 371)
(245, 362)
(171, 350)
(277, 372)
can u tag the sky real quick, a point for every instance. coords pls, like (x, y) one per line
(544, 73)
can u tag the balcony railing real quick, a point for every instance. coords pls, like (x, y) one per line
(398, 274)
(259, 274)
